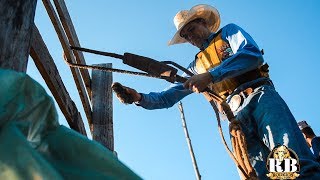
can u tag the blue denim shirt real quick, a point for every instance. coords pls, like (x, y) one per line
(247, 56)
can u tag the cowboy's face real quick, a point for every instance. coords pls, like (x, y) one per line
(195, 32)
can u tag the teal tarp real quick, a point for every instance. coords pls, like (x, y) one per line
(34, 146)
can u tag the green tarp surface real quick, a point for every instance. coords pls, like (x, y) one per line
(34, 146)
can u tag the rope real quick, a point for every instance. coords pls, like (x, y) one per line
(239, 144)
(240, 153)
(224, 141)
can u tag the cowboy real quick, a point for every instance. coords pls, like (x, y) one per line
(312, 140)
(230, 63)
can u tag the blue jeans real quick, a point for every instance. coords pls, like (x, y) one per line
(266, 122)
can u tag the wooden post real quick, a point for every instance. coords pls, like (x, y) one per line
(186, 132)
(16, 24)
(102, 110)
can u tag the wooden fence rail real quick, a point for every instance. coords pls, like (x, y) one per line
(70, 56)
(49, 71)
(73, 40)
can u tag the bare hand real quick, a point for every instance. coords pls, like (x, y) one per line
(198, 83)
(125, 94)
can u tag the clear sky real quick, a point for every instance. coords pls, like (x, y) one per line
(152, 143)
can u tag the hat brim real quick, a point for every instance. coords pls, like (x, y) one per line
(208, 13)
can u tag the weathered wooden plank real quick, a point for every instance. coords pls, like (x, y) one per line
(16, 22)
(69, 55)
(47, 68)
(73, 40)
(102, 110)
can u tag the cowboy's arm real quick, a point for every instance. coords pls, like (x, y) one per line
(153, 100)
(247, 55)
(164, 99)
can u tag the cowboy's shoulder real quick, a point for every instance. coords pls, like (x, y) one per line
(230, 29)
(231, 26)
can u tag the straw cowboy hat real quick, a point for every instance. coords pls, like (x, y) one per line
(206, 12)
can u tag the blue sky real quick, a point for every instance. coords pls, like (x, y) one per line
(152, 143)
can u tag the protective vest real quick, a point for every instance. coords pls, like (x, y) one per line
(217, 51)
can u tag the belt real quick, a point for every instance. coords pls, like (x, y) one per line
(253, 86)
(225, 88)
(237, 98)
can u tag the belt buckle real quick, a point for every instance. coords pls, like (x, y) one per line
(235, 102)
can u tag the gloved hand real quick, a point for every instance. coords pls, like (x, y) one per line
(198, 83)
(125, 94)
